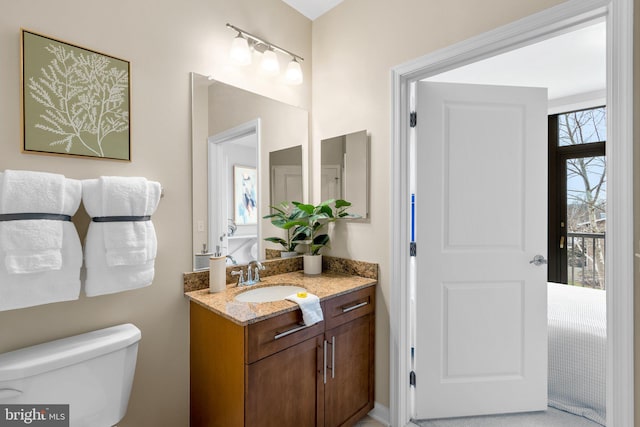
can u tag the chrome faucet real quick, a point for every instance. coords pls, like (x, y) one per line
(240, 275)
(232, 259)
(251, 279)
(253, 276)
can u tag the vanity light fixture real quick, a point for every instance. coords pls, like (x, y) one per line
(240, 53)
(269, 63)
(245, 43)
(293, 75)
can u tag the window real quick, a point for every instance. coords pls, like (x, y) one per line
(577, 197)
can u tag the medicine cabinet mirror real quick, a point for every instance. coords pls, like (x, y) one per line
(345, 170)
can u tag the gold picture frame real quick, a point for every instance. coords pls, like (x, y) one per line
(75, 101)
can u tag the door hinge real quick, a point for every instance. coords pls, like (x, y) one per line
(413, 119)
(412, 249)
(412, 379)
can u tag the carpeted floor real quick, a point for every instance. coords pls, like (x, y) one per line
(550, 418)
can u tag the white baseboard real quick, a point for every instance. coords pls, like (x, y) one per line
(381, 414)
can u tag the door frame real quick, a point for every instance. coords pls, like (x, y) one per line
(619, 258)
(217, 175)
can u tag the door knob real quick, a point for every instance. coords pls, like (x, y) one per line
(538, 260)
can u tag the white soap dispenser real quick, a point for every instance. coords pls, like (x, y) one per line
(217, 272)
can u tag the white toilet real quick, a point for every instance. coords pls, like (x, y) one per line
(91, 372)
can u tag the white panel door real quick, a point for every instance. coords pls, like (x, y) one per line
(287, 184)
(481, 199)
(331, 182)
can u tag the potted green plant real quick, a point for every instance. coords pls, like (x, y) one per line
(287, 217)
(315, 219)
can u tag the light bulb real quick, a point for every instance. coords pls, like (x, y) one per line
(269, 63)
(293, 75)
(240, 53)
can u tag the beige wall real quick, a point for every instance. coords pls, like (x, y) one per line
(164, 40)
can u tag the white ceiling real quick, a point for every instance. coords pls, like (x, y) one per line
(568, 65)
(312, 8)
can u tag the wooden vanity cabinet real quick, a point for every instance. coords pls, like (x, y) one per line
(274, 373)
(281, 378)
(282, 389)
(349, 337)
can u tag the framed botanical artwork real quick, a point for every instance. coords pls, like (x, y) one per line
(75, 101)
(245, 199)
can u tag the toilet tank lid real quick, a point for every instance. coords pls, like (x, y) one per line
(48, 356)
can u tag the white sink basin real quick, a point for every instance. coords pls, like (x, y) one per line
(269, 293)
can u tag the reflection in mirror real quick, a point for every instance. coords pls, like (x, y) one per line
(345, 170)
(232, 192)
(233, 134)
(286, 175)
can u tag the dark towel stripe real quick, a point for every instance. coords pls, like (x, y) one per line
(121, 218)
(30, 216)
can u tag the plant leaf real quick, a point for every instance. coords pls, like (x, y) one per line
(321, 239)
(305, 208)
(277, 240)
(342, 203)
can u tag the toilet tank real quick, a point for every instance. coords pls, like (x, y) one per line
(91, 372)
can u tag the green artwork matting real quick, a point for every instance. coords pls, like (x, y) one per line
(75, 101)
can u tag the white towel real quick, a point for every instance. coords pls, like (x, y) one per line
(27, 191)
(23, 280)
(310, 307)
(128, 243)
(120, 256)
(31, 246)
(27, 290)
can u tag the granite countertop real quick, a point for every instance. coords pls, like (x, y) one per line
(325, 285)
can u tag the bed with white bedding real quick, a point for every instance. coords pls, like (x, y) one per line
(577, 350)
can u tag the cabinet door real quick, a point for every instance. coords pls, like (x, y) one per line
(283, 389)
(349, 374)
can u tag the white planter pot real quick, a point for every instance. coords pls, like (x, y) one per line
(312, 264)
(291, 254)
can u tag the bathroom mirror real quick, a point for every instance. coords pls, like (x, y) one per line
(285, 168)
(235, 136)
(345, 170)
